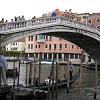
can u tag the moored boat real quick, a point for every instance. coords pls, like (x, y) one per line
(25, 93)
(91, 66)
(61, 83)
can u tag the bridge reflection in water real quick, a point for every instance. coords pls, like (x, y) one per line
(86, 88)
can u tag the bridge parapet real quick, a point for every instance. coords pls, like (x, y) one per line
(25, 24)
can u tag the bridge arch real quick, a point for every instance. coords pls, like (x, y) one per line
(87, 42)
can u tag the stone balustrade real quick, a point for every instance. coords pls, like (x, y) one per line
(24, 24)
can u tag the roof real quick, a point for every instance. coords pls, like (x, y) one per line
(21, 40)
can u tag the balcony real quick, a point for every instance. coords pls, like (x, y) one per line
(40, 40)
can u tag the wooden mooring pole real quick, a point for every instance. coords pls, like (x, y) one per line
(18, 72)
(27, 74)
(80, 69)
(34, 77)
(50, 78)
(56, 95)
(40, 57)
(31, 73)
(96, 78)
(68, 76)
(14, 82)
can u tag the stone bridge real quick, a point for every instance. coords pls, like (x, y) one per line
(85, 36)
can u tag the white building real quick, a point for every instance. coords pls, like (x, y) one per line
(18, 45)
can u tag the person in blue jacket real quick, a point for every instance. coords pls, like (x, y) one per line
(3, 67)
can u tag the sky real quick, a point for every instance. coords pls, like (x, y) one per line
(30, 8)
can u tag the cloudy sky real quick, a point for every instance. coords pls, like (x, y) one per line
(30, 8)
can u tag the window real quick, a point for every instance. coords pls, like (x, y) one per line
(80, 56)
(59, 56)
(49, 46)
(49, 55)
(28, 46)
(65, 45)
(66, 56)
(55, 55)
(41, 36)
(31, 46)
(60, 46)
(29, 38)
(36, 45)
(76, 56)
(46, 37)
(15, 48)
(72, 46)
(54, 46)
(71, 56)
(39, 45)
(46, 46)
(13, 43)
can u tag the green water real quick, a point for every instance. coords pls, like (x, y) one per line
(83, 92)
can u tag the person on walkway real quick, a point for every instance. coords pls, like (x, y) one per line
(3, 68)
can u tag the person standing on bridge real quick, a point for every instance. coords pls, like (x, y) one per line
(3, 67)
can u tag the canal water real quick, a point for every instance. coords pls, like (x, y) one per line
(80, 90)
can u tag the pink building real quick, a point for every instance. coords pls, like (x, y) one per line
(51, 47)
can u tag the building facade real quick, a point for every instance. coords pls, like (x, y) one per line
(52, 48)
(94, 20)
(18, 45)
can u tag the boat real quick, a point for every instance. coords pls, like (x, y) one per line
(61, 83)
(25, 60)
(45, 62)
(21, 93)
(27, 92)
(63, 63)
(24, 93)
(90, 66)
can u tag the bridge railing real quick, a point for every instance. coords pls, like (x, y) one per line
(24, 24)
(79, 25)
